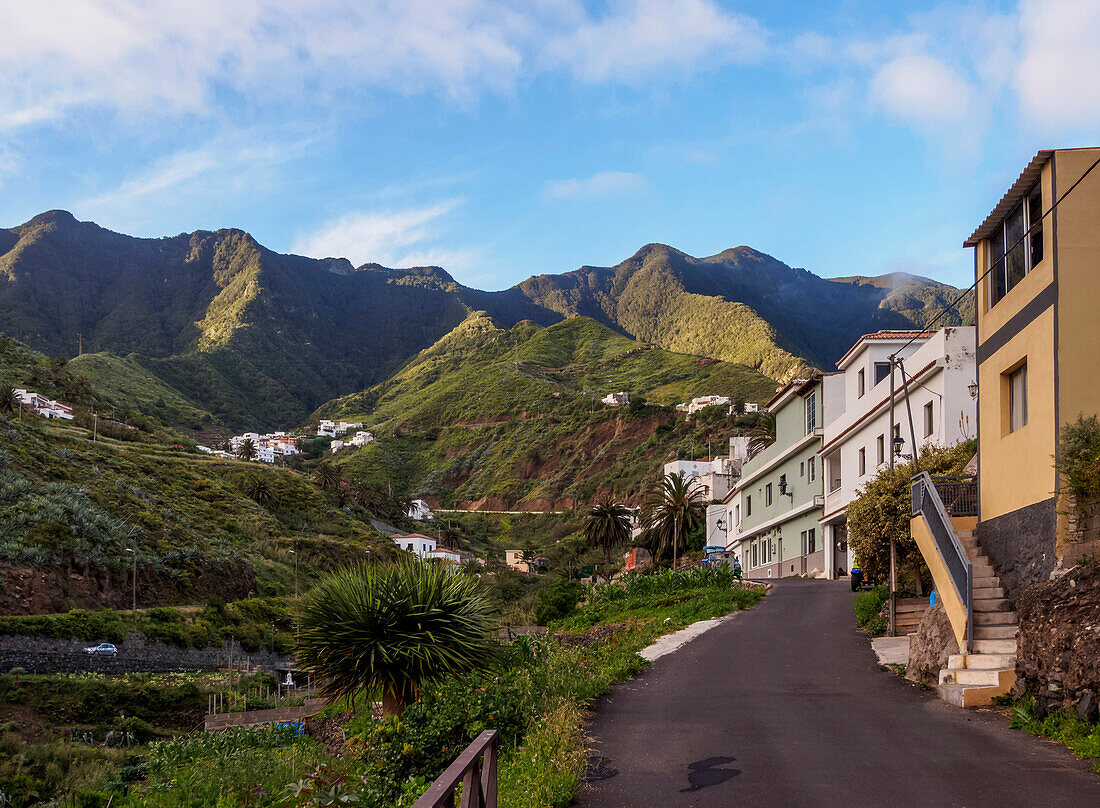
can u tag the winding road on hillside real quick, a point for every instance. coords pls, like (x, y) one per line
(785, 705)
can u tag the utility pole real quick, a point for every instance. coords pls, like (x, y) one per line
(133, 551)
(79, 344)
(893, 543)
(95, 426)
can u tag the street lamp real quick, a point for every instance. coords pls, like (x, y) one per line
(134, 584)
(899, 444)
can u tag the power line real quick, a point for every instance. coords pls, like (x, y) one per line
(1015, 244)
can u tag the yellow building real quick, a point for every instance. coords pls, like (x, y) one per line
(1038, 354)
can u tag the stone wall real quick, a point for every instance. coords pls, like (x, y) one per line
(1059, 641)
(1021, 546)
(46, 655)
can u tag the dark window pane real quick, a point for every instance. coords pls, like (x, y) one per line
(882, 370)
(1035, 218)
(997, 262)
(1017, 257)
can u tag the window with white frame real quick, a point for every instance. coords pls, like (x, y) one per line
(861, 383)
(767, 495)
(862, 461)
(929, 420)
(811, 412)
(880, 449)
(882, 371)
(811, 469)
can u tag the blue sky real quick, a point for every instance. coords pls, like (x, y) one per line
(502, 140)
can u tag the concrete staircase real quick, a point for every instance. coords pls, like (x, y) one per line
(976, 678)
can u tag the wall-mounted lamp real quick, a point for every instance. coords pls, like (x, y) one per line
(783, 487)
(972, 388)
(899, 444)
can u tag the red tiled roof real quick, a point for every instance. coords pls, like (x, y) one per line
(886, 335)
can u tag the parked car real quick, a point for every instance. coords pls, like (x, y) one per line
(103, 649)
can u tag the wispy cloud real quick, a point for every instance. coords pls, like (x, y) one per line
(9, 163)
(637, 38)
(603, 183)
(1059, 43)
(225, 166)
(402, 238)
(922, 89)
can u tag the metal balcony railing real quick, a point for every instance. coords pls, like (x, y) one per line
(928, 503)
(959, 495)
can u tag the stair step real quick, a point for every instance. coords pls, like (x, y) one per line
(982, 661)
(986, 580)
(991, 605)
(987, 677)
(995, 646)
(965, 533)
(983, 592)
(996, 619)
(995, 632)
(976, 695)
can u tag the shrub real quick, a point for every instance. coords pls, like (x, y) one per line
(868, 608)
(557, 600)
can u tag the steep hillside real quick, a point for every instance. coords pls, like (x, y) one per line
(259, 339)
(69, 507)
(506, 418)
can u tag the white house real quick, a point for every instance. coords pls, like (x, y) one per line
(857, 442)
(416, 543)
(443, 554)
(336, 445)
(360, 439)
(697, 404)
(616, 399)
(265, 454)
(47, 408)
(420, 511)
(715, 476)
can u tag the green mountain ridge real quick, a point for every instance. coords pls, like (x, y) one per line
(260, 339)
(494, 417)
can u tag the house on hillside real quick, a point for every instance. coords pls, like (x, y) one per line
(360, 439)
(326, 429)
(416, 543)
(616, 399)
(420, 511)
(40, 405)
(714, 476)
(444, 555)
(699, 403)
(858, 442)
(772, 514)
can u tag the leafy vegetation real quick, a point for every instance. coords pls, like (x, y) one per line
(607, 525)
(673, 510)
(882, 508)
(868, 606)
(1078, 462)
(1082, 738)
(387, 630)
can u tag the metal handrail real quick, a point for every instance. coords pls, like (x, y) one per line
(476, 769)
(927, 503)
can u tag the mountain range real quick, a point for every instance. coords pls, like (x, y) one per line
(214, 326)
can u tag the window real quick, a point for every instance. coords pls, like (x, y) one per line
(1017, 399)
(861, 383)
(862, 462)
(811, 469)
(748, 506)
(755, 554)
(802, 536)
(1010, 262)
(767, 495)
(811, 412)
(811, 540)
(929, 421)
(880, 449)
(882, 371)
(802, 469)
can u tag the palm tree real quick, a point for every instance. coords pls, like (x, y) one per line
(389, 629)
(260, 491)
(762, 434)
(328, 476)
(607, 525)
(9, 401)
(672, 510)
(246, 450)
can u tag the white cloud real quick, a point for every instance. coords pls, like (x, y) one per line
(176, 56)
(1057, 77)
(605, 182)
(9, 163)
(400, 238)
(922, 89)
(638, 38)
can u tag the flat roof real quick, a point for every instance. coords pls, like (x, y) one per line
(1022, 185)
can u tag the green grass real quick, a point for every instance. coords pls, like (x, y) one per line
(1083, 739)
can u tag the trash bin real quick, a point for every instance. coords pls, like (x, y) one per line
(857, 579)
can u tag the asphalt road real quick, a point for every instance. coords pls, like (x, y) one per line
(785, 706)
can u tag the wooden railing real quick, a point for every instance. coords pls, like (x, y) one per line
(475, 769)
